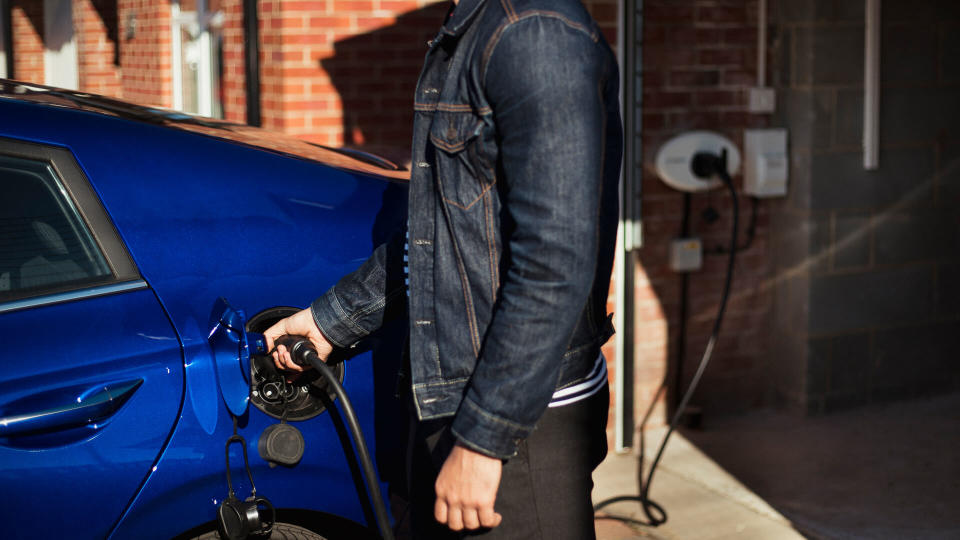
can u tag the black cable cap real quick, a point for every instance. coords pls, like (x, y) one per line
(281, 443)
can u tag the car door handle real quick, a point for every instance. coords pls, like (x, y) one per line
(96, 405)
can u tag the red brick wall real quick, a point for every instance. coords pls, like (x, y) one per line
(97, 30)
(146, 57)
(233, 84)
(605, 13)
(27, 24)
(234, 74)
(699, 59)
(343, 72)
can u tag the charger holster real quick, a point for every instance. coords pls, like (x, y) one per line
(252, 517)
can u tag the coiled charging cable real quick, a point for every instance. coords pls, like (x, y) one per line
(704, 165)
(303, 354)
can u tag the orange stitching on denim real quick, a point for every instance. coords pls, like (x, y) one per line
(554, 15)
(472, 203)
(495, 37)
(488, 215)
(508, 7)
(454, 107)
(440, 143)
(496, 258)
(468, 300)
(488, 50)
(450, 107)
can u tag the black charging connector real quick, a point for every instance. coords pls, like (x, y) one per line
(304, 354)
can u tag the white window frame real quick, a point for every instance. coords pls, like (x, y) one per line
(4, 13)
(60, 66)
(198, 23)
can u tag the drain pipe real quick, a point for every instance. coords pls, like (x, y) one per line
(251, 61)
(871, 86)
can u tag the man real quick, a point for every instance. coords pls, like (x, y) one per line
(512, 224)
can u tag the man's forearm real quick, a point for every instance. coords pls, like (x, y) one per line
(363, 300)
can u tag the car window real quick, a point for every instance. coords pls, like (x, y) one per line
(45, 246)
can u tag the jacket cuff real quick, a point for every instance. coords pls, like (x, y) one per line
(487, 433)
(333, 322)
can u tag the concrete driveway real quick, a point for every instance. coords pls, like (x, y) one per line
(879, 472)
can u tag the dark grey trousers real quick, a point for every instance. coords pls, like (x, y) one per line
(545, 489)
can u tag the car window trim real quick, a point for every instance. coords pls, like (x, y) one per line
(88, 205)
(69, 296)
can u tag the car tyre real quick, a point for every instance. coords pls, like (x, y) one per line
(281, 531)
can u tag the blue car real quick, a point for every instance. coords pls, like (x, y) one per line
(137, 248)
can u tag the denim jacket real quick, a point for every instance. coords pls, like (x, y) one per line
(513, 208)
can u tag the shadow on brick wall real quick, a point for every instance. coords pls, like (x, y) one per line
(107, 10)
(376, 74)
(33, 11)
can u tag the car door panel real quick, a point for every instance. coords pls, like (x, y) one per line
(117, 355)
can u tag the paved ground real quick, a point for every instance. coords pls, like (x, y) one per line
(878, 473)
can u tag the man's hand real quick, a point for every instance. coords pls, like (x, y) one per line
(466, 490)
(300, 324)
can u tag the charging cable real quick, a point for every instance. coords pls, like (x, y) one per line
(704, 165)
(303, 354)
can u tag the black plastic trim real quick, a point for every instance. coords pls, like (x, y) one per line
(251, 61)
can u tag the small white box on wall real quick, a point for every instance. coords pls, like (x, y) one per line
(686, 255)
(766, 163)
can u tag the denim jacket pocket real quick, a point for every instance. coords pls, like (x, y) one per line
(461, 176)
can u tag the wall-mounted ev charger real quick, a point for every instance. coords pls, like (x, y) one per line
(675, 164)
(675, 160)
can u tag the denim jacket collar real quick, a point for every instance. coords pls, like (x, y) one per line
(462, 15)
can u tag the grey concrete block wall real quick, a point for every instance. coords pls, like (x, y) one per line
(904, 179)
(852, 240)
(950, 54)
(913, 114)
(825, 54)
(858, 301)
(948, 175)
(871, 258)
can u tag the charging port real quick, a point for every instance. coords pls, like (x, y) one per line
(304, 397)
